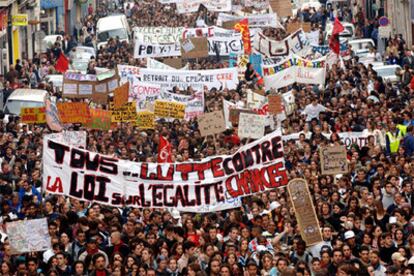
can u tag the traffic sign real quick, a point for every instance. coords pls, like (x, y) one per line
(383, 21)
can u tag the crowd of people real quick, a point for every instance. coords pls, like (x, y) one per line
(366, 216)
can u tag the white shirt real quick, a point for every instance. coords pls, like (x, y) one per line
(312, 111)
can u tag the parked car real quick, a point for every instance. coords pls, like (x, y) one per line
(388, 72)
(112, 26)
(24, 97)
(361, 46)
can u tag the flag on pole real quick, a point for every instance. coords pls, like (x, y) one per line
(334, 42)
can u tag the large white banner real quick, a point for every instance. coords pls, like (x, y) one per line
(168, 79)
(348, 138)
(90, 176)
(294, 69)
(295, 43)
(73, 138)
(144, 94)
(224, 42)
(255, 20)
(190, 6)
(257, 4)
(158, 35)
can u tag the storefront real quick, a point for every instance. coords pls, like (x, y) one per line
(3, 41)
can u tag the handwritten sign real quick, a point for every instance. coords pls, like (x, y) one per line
(251, 125)
(100, 119)
(33, 115)
(124, 114)
(72, 113)
(333, 160)
(169, 109)
(275, 104)
(304, 211)
(234, 114)
(121, 95)
(211, 123)
(145, 120)
(28, 236)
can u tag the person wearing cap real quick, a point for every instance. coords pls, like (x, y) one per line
(93, 249)
(398, 259)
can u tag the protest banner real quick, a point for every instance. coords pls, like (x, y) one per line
(197, 79)
(257, 4)
(243, 28)
(198, 32)
(333, 160)
(295, 69)
(194, 106)
(211, 123)
(145, 120)
(229, 25)
(158, 35)
(304, 211)
(289, 103)
(198, 47)
(99, 119)
(251, 125)
(296, 43)
(355, 138)
(144, 50)
(27, 236)
(52, 116)
(282, 7)
(234, 115)
(89, 176)
(121, 95)
(255, 100)
(190, 6)
(73, 138)
(33, 115)
(166, 109)
(124, 114)
(255, 20)
(275, 104)
(144, 94)
(73, 112)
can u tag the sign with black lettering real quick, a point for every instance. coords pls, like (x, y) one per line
(256, 167)
(333, 160)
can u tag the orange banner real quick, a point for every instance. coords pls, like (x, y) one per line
(243, 28)
(72, 113)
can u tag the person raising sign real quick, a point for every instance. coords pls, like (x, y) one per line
(251, 75)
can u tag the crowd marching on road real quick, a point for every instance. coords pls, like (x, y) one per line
(365, 214)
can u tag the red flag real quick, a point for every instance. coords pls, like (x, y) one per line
(334, 42)
(164, 151)
(62, 64)
(243, 28)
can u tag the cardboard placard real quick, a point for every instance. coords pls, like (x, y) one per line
(83, 86)
(166, 109)
(33, 115)
(121, 95)
(283, 8)
(275, 104)
(211, 123)
(234, 115)
(99, 119)
(251, 126)
(73, 112)
(125, 114)
(229, 25)
(333, 160)
(194, 47)
(177, 63)
(145, 120)
(304, 211)
(294, 26)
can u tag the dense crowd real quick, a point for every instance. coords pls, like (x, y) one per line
(366, 216)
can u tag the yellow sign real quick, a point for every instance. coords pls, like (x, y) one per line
(33, 115)
(123, 114)
(20, 20)
(145, 120)
(169, 109)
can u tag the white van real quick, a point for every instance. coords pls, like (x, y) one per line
(112, 26)
(24, 97)
(361, 46)
(346, 35)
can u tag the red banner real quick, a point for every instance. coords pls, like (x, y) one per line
(243, 28)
